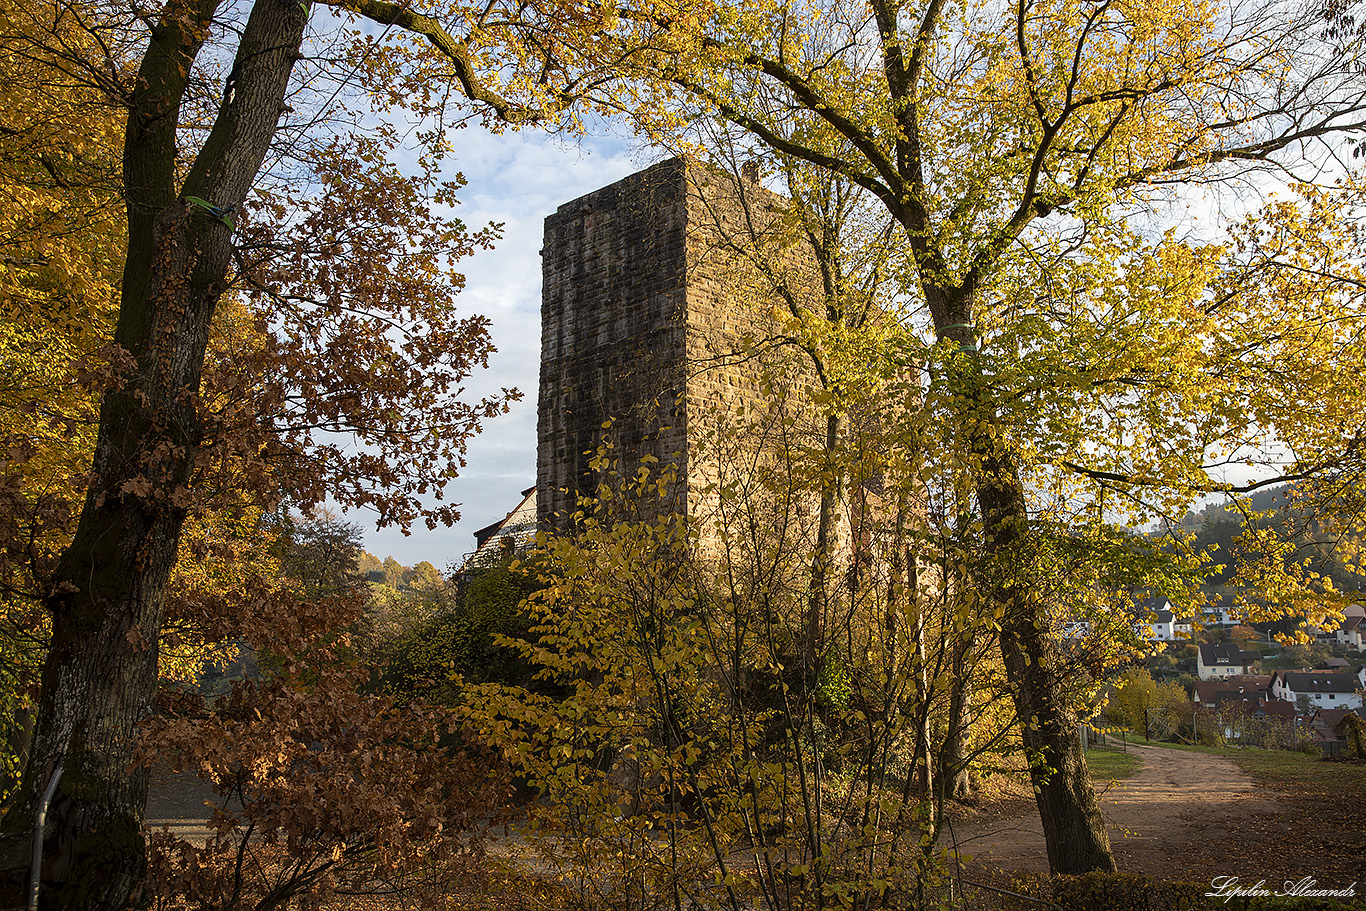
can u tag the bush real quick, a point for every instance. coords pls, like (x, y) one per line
(326, 790)
(464, 639)
(1129, 892)
(1136, 694)
(1124, 892)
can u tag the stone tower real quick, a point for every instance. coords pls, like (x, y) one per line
(647, 326)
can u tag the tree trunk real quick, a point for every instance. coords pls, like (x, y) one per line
(953, 781)
(1072, 824)
(100, 675)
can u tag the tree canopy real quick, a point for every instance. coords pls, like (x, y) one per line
(282, 327)
(1087, 362)
(269, 320)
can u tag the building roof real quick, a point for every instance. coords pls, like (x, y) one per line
(516, 529)
(1277, 709)
(1155, 604)
(1166, 616)
(1329, 721)
(1225, 701)
(1331, 717)
(1237, 686)
(1226, 654)
(1321, 681)
(488, 531)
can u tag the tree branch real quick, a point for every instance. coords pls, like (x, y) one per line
(454, 50)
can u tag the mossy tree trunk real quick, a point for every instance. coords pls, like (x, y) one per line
(107, 606)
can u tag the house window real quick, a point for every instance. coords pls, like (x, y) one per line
(1332, 696)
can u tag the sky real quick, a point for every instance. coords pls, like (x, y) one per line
(517, 179)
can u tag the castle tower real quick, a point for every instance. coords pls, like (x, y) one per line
(647, 311)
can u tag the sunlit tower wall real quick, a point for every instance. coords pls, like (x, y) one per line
(649, 317)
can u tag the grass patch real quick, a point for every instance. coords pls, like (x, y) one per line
(1326, 795)
(1112, 765)
(1286, 770)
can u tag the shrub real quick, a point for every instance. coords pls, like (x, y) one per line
(327, 788)
(464, 639)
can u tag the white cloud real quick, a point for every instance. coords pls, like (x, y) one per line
(517, 179)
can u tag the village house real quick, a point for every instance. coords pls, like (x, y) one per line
(1330, 732)
(1352, 632)
(1155, 621)
(1225, 659)
(1218, 615)
(1320, 689)
(1251, 689)
(1166, 627)
(514, 532)
(1275, 710)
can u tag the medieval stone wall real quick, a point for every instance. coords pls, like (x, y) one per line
(612, 332)
(656, 326)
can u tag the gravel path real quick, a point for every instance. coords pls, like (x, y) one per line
(1184, 816)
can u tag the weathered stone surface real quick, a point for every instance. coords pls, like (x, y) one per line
(654, 324)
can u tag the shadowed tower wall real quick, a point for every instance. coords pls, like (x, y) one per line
(646, 311)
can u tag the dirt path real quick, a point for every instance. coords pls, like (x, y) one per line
(1183, 816)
